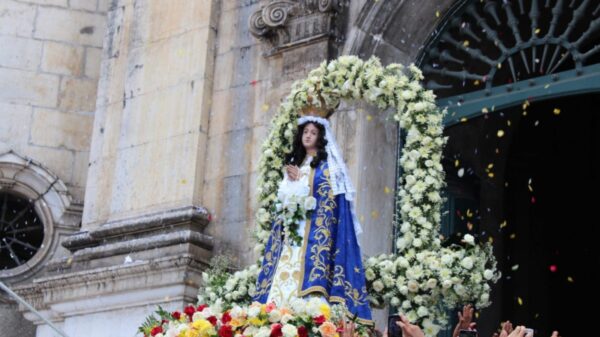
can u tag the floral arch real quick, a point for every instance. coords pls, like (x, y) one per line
(424, 276)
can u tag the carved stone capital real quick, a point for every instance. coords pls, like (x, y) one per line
(286, 24)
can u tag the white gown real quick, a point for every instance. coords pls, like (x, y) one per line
(286, 281)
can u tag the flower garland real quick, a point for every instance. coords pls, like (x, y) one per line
(422, 277)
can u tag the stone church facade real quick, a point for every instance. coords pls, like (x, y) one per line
(133, 129)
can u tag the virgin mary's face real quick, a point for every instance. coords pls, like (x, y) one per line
(309, 136)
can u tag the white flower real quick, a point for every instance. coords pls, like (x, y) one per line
(431, 283)
(274, 316)
(263, 332)
(422, 311)
(310, 203)
(395, 301)
(253, 311)
(447, 259)
(406, 304)
(378, 286)
(286, 318)
(488, 274)
(417, 242)
(413, 286)
(469, 239)
(467, 262)
(412, 316)
(446, 284)
(485, 297)
(289, 330)
(369, 274)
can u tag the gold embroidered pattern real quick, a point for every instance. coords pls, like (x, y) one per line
(271, 260)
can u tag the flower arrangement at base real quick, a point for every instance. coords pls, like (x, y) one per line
(303, 318)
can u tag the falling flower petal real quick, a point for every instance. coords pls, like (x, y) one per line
(500, 133)
(265, 107)
(553, 268)
(515, 267)
(556, 111)
(520, 300)
(386, 190)
(513, 236)
(570, 279)
(461, 172)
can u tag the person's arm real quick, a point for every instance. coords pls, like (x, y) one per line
(408, 329)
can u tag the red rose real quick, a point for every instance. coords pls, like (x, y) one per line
(156, 330)
(319, 320)
(302, 332)
(201, 307)
(276, 330)
(212, 320)
(176, 315)
(226, 318)
(189, 310)
(225, 331)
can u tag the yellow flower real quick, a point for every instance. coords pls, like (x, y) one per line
(257, 321)
(200, 328)
(325, 311)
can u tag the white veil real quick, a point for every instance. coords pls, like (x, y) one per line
(338, 172)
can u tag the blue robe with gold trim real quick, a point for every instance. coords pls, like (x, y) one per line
(331, 256)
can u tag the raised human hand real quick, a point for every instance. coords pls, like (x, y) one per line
(555, 334)
(519, 331)
(408, 329)
(507, 329)
(465, 320)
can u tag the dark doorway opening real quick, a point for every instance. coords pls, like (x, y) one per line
(530, 178)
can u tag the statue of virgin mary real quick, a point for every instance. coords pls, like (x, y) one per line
(324, 259)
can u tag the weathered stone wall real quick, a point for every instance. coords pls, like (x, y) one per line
(49, 66)
(151, 124)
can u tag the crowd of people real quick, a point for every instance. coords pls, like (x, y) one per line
(465, 322)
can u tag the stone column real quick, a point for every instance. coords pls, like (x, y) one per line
(142, 240)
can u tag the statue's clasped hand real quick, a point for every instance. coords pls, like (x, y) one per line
(293, 172)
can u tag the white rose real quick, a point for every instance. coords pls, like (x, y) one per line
(413, 286)
(406, 304)
(395, 301)
(263, 332)
(447, 259)
(289, 330)
(469, 239)
(488, 274)
(446, 284)
(403, 290)
(422, 311)
(467, 262)
(286, 318)
(417, 242)
(378, 286)
(431, 283)
(485, 298)
(369, 274)
(253, 311)
(310, 203)
(274, 316)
